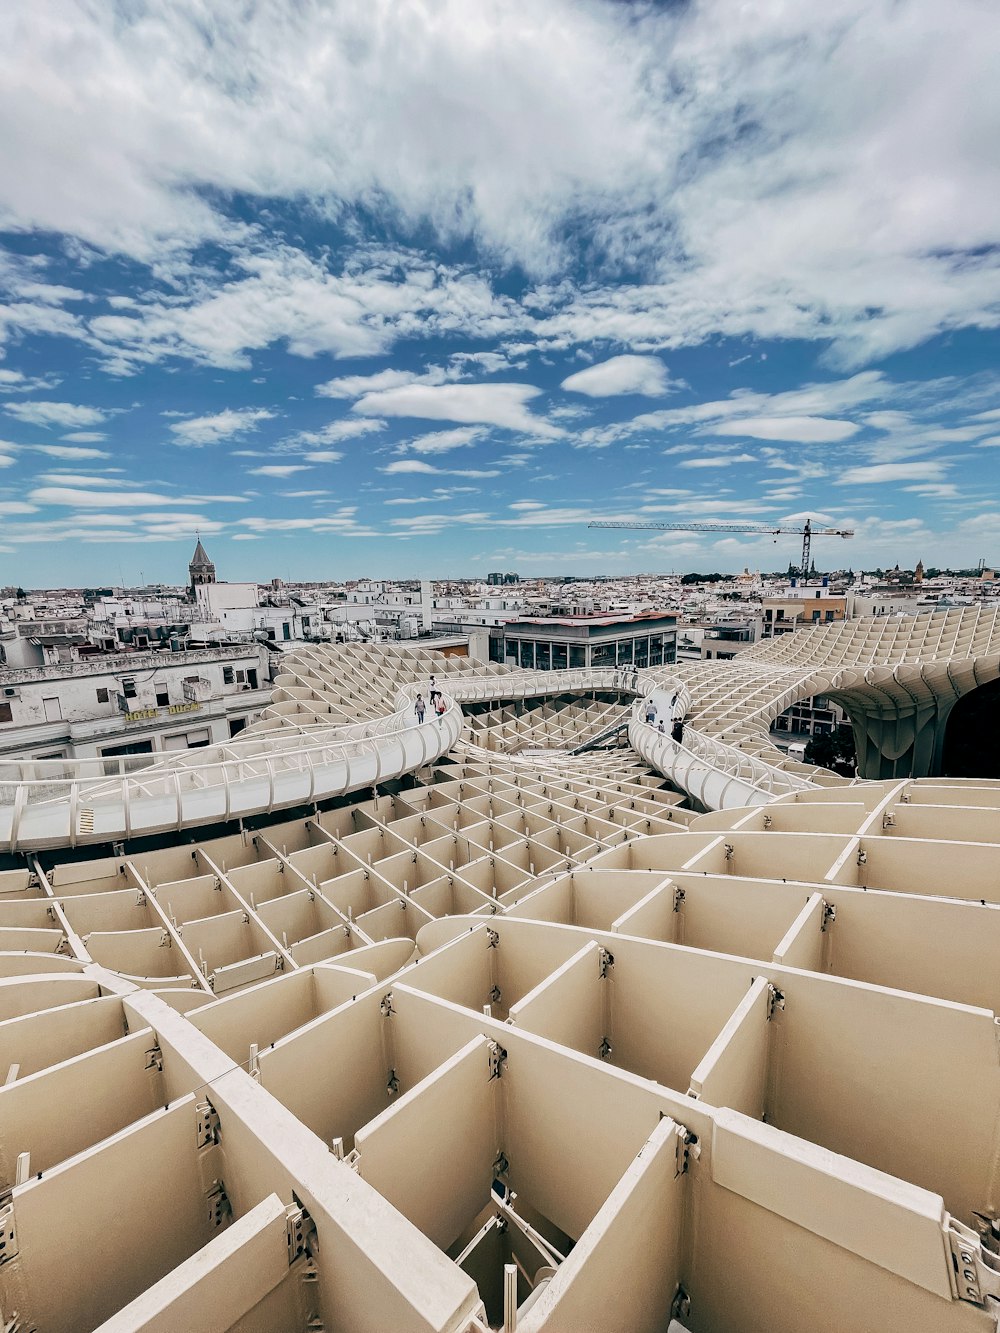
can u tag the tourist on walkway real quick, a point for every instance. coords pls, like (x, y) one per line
(677, 730)
(661, 728)
(440, 706)
(650, 712)
(420, 708)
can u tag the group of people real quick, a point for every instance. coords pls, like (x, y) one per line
(676, 710)
(627, 680)
(434, 698)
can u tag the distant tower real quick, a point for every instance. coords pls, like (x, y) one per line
(918, 573)
(200, 570)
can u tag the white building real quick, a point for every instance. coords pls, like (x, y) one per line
(131, 703)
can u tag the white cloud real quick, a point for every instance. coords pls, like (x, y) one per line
(411, 465)
(353, 386)
(644, 375)
(15, 381)
(805, 430)
(70, 452)
(87, 499)
(443, 441)
(338, 431)
(881, 472)
(724, 460)
(55, 414)
(771, 173)
(280, 294)
(503, 405)
(219, 426)
(78, 479)
(323, 456)
(278, 470)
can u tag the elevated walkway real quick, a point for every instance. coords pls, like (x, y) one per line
(897, 679)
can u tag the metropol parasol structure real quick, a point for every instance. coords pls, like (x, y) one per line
(523, 1016)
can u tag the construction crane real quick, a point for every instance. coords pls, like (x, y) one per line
(807, 532)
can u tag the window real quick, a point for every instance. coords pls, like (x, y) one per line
(162, 695)
(103, 695)
(5, 713)
(128, 687)
(228, 676)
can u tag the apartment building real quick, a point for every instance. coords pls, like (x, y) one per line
(131, 703)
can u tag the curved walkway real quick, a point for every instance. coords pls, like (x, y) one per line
(897, 678)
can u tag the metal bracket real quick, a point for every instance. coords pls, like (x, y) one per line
(391, 1084)
(687, 1149)
(888, 820)
(604, 1050)
(495, 995)
(679, 896)
(729, 851)
(829, 916)
(165, 940)
(605, 962)
(154, 1057)
(975, 1268)
(220, 1210)
(497, 1060)
(208, 1126)
(8, 1234)
(140, 899)
(501, 1166)
(299, 1230)
(775, 1000)
(492, 939)
(385, 1005)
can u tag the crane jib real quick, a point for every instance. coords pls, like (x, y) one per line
(806, 532)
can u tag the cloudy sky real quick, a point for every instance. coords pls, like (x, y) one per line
(401, 287)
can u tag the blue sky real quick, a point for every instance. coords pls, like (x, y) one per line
(408, 288)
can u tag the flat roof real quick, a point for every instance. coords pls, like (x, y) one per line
(594, 619)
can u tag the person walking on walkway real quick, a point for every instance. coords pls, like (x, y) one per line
(650, 712)
(420, 707)
(440, 707)
(677, 719)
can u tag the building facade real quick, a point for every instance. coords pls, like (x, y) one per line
(552, 644)
(131, 703)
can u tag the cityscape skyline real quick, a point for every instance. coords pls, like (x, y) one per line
(363, 293)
